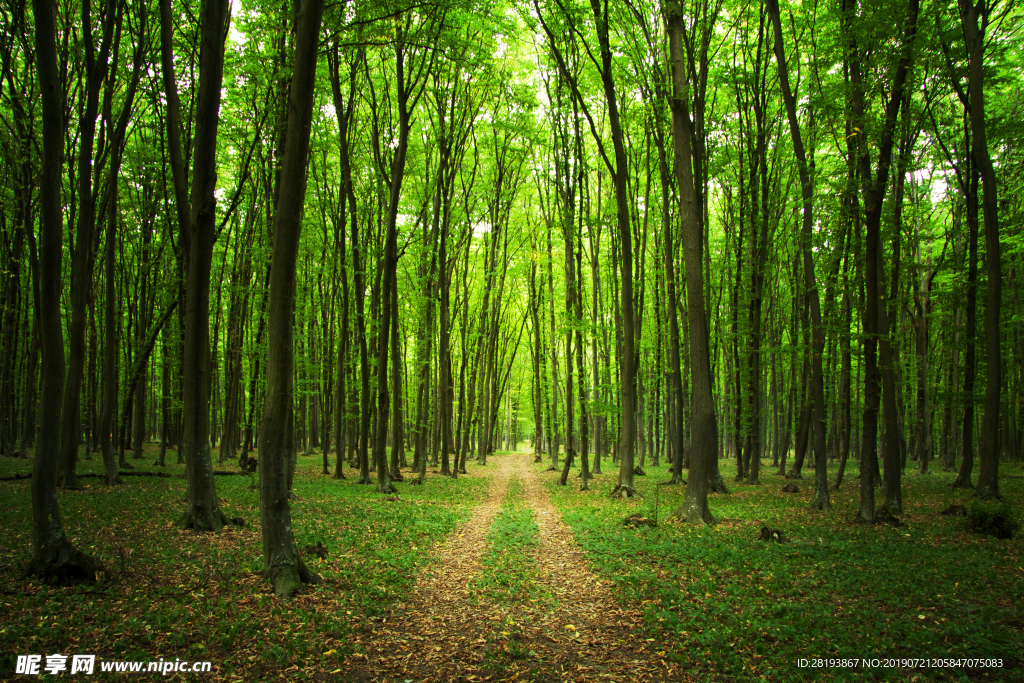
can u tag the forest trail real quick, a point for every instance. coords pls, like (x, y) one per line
(445, 631)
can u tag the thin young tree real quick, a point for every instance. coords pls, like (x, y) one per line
(821, 497)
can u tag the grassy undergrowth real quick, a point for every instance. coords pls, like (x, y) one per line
(726, 604)
(509, 572)
(174, 594)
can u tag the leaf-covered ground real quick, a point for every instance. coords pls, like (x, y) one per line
(728, 606)
(503, 575)
(512, 598)
(199, 597)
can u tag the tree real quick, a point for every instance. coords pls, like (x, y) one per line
(704, 429)
(54, 558)
(821, 498)
(196, 222)
(971, 15)
(282, 565)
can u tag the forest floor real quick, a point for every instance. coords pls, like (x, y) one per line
(547, 617)
(504, 575)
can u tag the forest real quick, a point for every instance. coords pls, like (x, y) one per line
(267, 263)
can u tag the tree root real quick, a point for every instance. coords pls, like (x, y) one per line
(821, 502)
(767, 533)
(718, 486)
(621, 491)
(66, 566)
(198, 519)
(288, 579)
(961, 483)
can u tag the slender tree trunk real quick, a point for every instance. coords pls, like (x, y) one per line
(988, 474)
(704, 430)
(82, 254)
(204, 513)
(821, 497)
(282, 565)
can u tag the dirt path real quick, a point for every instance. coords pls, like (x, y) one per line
(441, 633)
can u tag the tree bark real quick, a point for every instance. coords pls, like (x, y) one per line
(54, 558)
(704, 430)
(282, 565)
(821, 497)
(988, 474)
(82, 252)
(197, 238)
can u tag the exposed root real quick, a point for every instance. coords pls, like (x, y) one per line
(821, 502)
(718, 486)
(200, 519)
(288, 579)
(955, 510)
(638, 520)
(962, 483)
(66, 566)
(884, 515)
(769, 534)
(621, 491)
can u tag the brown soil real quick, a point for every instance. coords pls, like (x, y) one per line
(444, 632)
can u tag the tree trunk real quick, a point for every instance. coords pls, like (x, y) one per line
(704, 430)
(821, 497)
(988, 474)
(82, 254)
(54, 559)
(282, 565)
(197, 237)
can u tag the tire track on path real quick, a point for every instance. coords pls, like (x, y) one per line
(577, 631)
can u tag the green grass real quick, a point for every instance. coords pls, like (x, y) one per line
(719, 601)
(726, 604)
(169, 593)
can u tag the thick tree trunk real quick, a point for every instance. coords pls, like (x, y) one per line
(54, 559)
